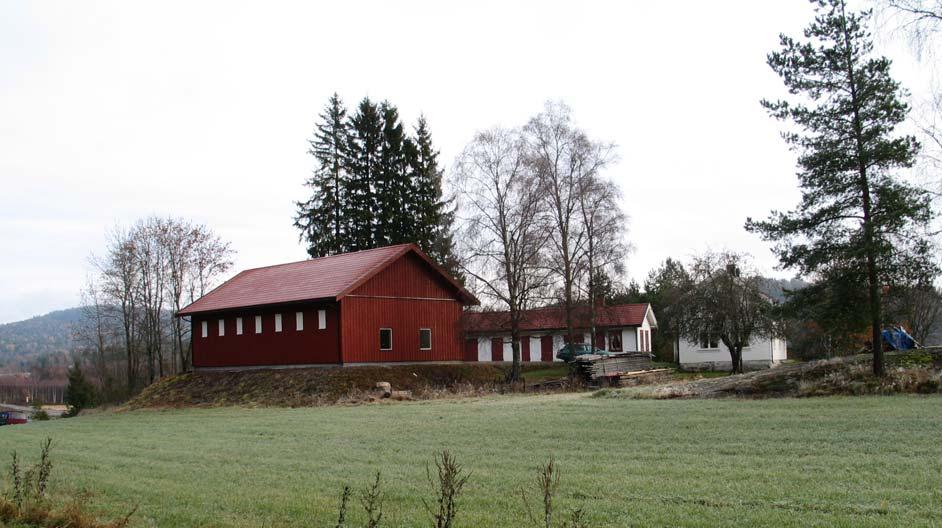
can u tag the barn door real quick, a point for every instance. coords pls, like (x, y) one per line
(546, 348)
(497, 349)
(470, 349)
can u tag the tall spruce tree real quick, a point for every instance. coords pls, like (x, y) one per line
(393, 187)
(853, 210)
(364, 150)
(321, 218)
(374, 185)
(433, 215)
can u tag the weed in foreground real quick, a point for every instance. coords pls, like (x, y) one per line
(27, 502)
(448, 484)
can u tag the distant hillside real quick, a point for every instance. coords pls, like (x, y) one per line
(38, 336)
(776, 288)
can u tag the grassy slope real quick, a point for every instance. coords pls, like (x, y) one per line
(302, 387)
(839, 461)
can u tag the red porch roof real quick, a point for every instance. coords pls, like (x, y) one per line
(544, 319)
(330, 277)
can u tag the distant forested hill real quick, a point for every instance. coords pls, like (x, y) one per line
(776, 288)
(43, 335)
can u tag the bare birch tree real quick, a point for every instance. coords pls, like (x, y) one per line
(98, 336)
(563, 158)
(919, 22)
(605, 225)
(119, 277)
(149, 273)
(502, 235)
(151, 256)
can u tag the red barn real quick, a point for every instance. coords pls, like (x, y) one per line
(385, 305)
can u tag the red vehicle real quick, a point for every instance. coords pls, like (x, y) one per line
(13, 418)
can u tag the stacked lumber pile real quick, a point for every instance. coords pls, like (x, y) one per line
(596, 368)
(645, 377)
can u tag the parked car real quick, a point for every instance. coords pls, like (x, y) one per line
(571, 351)
(13, 418)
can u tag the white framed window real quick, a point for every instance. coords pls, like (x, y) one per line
(205, 327)
(614, 341)
(385, 338)
(299, 321)
(238, 326)
(222, 327)
(425, 338)
(258, 324)
(709, 342)
(278, 322)
(321, 319)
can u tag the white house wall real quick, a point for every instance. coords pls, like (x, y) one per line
(536, 349)
(508, 350)
(779, 350)
(484, 349)
(760, 354)
(629, 339)
(629, 344)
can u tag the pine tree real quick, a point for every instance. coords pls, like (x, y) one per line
(363, 165)
(433, 216)
(321, 218)
(853, 212)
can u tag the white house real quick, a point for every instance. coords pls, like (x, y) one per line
(619, 328)
(711, 354)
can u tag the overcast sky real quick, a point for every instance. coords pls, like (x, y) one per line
(112, 111)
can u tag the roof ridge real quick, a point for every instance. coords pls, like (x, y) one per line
(542, 308)
(327, 257)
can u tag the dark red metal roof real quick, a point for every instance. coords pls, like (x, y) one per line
(330, 277)
(554, 318)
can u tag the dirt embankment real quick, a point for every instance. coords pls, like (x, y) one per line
(297, 387)
(914, 372)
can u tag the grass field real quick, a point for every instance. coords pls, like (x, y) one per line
(870, 461)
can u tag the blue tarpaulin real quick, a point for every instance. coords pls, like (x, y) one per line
(898, 338)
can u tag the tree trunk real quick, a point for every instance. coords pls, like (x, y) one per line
(872, 277)
(515, 349)
(735, 356)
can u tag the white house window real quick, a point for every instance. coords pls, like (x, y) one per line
(425, 338)
(385, 338)
(614, 341)
(258, 324)
(238, 326)
(321, 319)
(222, 327)
(299, 321)
(278, 322)
(205, 328)
(708, 342)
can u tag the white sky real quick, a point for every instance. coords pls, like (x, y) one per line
(112, 111)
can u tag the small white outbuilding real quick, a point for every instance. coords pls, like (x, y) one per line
(709, 353)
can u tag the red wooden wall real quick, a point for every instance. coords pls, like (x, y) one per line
(363, 317)
(406, 296)
(408, 276)
(288, 347)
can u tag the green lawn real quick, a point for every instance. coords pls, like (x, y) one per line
(873, 461)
